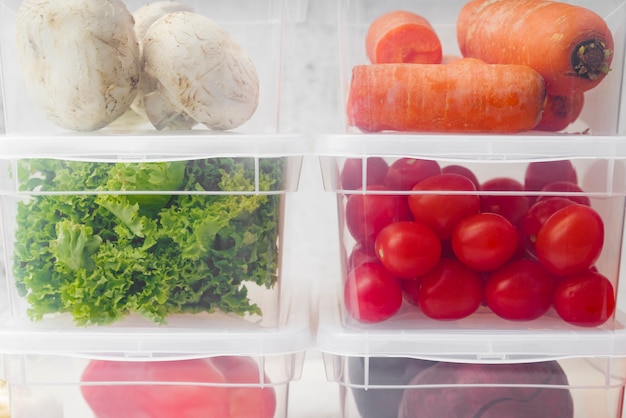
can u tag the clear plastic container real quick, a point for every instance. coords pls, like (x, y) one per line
(68, 386)
(256, 26)
(176, 231)
(415, 235)
(601, 111)
(385, 373)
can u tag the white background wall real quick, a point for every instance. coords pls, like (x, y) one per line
(311, 107)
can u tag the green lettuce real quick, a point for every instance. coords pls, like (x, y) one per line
(187, 242)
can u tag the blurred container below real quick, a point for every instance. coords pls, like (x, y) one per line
(411, 387)
(225, 386)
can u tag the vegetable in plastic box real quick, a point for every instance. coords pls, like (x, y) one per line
(86, 246)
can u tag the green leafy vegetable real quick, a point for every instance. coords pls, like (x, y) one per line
(188, 241)
(135, 177)
(74, 246)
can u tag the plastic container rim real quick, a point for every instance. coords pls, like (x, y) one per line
(156, 344)
(496, 148)
(481, 346)
(170, 146)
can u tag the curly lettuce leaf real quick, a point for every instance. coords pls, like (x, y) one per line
(74, 246)
(148, 177)
(100, 256)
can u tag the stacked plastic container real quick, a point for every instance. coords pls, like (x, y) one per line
(142, 266)
(476, 329)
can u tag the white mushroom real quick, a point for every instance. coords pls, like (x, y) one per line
(145, 16)
(79, 59)
(149, 13)
(201, 72)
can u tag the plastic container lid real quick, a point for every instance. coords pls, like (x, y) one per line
(148, 146)
(477, 148)
(512, 345)
(191, 337)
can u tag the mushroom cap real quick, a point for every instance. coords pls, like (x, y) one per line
(202, 69)
(149, 13)
(79, 60)
(144, 17)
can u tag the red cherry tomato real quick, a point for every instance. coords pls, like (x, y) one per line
(484, 241)
(352, 172)
(371, 293)
(368, 213)
(571, 240)
(540, 173)
(512, 207)
(520, 290)
(450, 291)
(249, 399)
(407, 249)
(577, 195)
(442, 211)
(158, 400)
(536, 216)
(404, 173)
(462, 171)
(359, 255)
(586, 299)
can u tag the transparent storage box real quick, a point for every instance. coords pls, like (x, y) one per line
(218, 386)
(255, 26)
(420, 237)
(385, 373)
(600, 113)
(170, 231)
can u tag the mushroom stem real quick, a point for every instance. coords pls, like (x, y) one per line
(163, 114)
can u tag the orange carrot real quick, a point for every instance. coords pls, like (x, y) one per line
(402, 36)
(570, 46)
(455, 60)
(560, 111)
(465, 60)
(445, 98)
